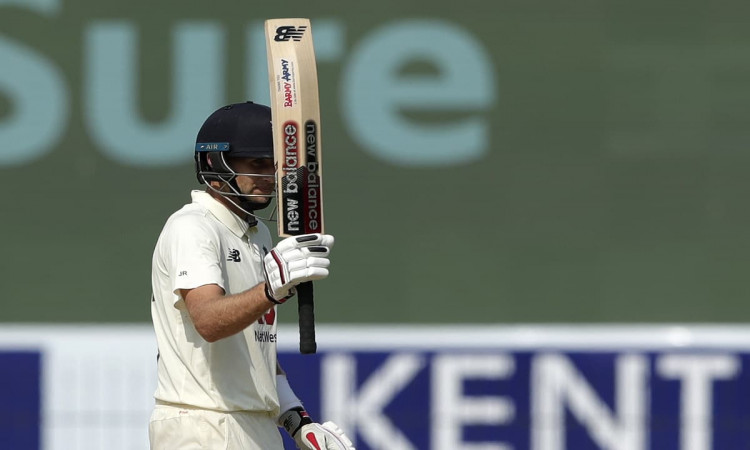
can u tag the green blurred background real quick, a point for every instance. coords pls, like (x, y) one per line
(488, 162)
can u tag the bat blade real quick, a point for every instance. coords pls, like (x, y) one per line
(295, 109)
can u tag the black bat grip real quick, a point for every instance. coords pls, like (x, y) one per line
(306, 311)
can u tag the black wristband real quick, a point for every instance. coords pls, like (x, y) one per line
(270, 297)
(294, 419)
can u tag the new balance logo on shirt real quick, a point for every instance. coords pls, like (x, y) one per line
(234, 255)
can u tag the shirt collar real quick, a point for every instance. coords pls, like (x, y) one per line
(235, 223)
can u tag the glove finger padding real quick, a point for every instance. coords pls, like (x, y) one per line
(312, 261)
(327, 436)
(295, 260)
(306, 240)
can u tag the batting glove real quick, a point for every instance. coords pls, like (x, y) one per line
(295, 260)
(313, 436)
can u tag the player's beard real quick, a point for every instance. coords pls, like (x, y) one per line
(253, 203)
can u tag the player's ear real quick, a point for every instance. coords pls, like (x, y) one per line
(218, 185)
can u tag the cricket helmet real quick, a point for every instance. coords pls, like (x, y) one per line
(239, 130)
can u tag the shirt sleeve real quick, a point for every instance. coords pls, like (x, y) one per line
(193, 249)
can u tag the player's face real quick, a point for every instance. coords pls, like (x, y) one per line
(261, 180)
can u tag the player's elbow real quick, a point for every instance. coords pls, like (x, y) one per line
(204, 323)
(210, 338)
(209, 334)
(207, 331)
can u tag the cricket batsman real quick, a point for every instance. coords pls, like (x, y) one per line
(217, 280)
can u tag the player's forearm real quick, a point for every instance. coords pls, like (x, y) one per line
(229, 314)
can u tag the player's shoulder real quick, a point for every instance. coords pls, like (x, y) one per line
(192, 216)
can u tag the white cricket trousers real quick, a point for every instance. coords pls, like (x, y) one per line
(178, 427)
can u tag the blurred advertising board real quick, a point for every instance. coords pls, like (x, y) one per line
(413, 387)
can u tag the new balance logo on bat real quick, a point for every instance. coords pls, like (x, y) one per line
(283, 34)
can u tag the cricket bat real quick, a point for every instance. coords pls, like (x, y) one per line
(295, 113)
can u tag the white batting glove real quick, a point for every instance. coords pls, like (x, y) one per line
(313, 436)
(295, 260)
(327, 436)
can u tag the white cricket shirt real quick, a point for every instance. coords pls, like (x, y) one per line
(205, 243)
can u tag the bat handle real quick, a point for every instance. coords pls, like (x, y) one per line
(306, 310)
